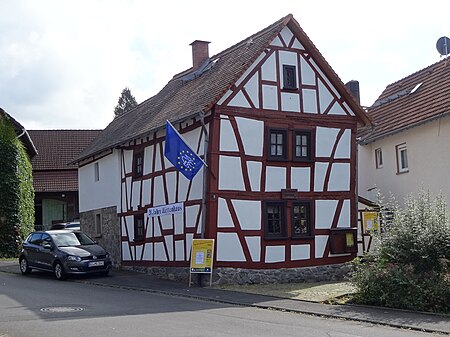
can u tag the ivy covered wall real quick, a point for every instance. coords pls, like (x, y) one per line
(16, 191)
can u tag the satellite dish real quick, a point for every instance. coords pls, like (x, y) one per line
(443, 46)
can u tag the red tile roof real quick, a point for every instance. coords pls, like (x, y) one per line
(55, 181)
(181, 98)
(57, 148)
(414, 100)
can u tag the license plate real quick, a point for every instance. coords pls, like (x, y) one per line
(96, 263)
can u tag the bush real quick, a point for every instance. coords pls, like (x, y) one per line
(411, 267)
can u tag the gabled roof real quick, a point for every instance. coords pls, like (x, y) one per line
(57, 148)
(180, 99)
(412, 101)
(22, 133)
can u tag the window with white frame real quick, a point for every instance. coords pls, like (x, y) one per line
(402, 158)
(378, 158)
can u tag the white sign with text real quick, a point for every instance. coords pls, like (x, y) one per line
(166, 210)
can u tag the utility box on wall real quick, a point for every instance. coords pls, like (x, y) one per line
(343, 240)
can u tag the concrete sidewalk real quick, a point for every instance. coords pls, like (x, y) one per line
(143, 282)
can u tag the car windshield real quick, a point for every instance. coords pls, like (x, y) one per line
(71, 239)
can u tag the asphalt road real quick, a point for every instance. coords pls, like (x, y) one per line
(37, 305)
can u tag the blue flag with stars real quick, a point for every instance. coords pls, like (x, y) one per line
(180, 154)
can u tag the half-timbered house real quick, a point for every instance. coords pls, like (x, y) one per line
(277, 128)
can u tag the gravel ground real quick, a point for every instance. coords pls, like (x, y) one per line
(313, 292)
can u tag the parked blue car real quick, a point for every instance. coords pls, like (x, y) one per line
(64, 253)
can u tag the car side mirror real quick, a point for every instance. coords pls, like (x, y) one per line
(47, 246)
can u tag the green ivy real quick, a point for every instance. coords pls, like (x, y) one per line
(16, 191)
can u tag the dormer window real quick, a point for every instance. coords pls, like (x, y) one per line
(289, 77)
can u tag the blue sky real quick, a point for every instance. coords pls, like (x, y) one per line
(64, 63)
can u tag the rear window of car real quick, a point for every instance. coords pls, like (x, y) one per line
(64, 226)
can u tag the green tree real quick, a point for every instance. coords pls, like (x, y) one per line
(126, 102)
(412, 265)
(16, 191)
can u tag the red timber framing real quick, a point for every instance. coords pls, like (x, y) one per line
(291, 122)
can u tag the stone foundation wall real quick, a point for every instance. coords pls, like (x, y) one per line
(222, 276)
(110, 234)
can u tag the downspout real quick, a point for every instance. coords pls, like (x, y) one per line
(33, 148)
(23, 132)
(205, 173)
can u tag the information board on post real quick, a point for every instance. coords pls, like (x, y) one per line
(370, 222)
(202, 257)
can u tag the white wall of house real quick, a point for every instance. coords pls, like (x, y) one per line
(428, 162)
(366, 165)
(167, 237)
(104, 192)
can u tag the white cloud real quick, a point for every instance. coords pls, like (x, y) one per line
(64, 63)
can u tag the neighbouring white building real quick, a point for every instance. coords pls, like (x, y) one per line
(408, 147)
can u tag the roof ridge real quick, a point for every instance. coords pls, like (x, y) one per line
(399, 90)
(284, 19)
(417, 72)
(237, 45)
(47, 130)
(282, 23)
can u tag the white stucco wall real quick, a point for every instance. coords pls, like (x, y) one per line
(106, 191)
(428, 161)
(366, 165)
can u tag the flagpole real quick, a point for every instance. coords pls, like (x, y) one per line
(205, 173)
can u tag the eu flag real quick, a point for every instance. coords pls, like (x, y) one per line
(180, 154)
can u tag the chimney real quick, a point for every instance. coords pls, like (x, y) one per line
(353, 87)
(199, 53)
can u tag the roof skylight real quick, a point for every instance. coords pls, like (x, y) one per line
(415, 88)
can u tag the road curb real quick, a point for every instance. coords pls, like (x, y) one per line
(270, 307)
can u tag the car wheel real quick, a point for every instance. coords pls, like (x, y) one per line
(23, 264)
(59, 272)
